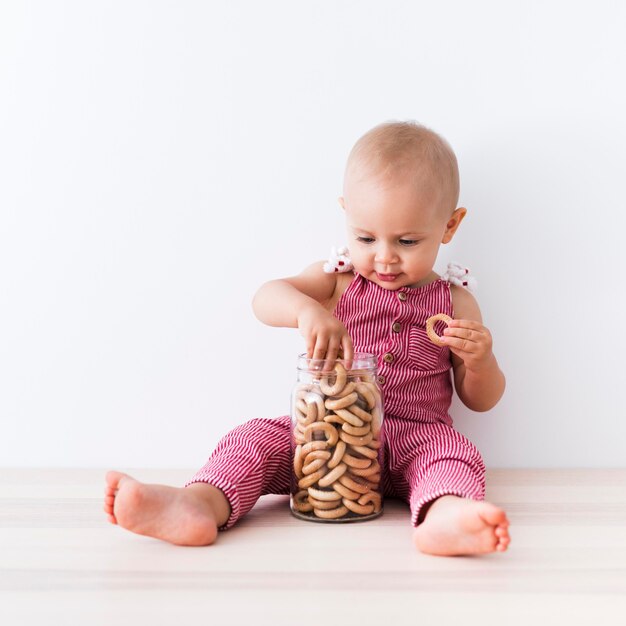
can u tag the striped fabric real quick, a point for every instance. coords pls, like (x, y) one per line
(424, 457)
(415, 375)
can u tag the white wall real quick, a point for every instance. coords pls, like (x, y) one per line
(160, 160)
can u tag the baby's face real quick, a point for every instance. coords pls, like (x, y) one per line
(394, 231)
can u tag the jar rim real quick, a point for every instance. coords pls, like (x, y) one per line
(359, 361)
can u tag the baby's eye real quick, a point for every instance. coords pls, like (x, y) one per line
(408, 242)
(365, 239)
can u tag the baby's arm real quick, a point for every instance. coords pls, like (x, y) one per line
(303, 302)
(478, 380)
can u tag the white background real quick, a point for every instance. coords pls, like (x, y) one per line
(160, 160)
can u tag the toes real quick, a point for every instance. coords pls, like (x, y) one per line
(109, 513)
(113, 479)
(503, 543)
(502, 533)
(493, 515)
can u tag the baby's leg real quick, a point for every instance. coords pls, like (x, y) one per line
(446, 480)
(251, 460)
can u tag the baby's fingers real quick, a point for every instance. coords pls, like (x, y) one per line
(332, 352)
(461, 333)
(320, 347)
(348, 350)
(458, 344)
(461, 323)
(467, 339)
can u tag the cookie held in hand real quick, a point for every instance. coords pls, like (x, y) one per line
(430, 327)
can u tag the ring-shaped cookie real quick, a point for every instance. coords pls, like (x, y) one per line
(332, 514)
(308, 417)
(376, 422)
(350, 417)
(361, 414)
(355, 441)
(344, 492)
(323, 505)
(333, 418)
(372, 497)
(355, 462)
(430, 327)
(298, 436)
(375, 443)
(313, 466)
(302, 408)
(364, 450)
(357, 431)
(335, 459)
(346, 391)
(324, 495)
(316, 454)
(329, 431)
(348, 481)
(341, 403)
(371, 470)
(318, 401)
(365, 391)
(372, 481)
(307, 448)
(339, 384)
(333, 475)
(301, 503)
(311, 479)
(355, 507)
(298, 462)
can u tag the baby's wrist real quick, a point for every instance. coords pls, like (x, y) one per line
(484, 366)
(307, 309)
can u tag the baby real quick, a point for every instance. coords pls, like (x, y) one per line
(400, 194)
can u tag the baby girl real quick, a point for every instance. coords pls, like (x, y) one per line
(400, 194)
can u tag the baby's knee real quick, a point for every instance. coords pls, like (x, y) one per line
(454, 449)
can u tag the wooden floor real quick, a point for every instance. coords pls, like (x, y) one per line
(62, 563)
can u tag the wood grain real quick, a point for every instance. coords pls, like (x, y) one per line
(62, 563)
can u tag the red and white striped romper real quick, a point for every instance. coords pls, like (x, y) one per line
(424, 457)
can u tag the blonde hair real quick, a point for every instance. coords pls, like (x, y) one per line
(407, 148)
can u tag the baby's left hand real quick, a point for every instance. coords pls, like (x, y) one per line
(470, 341)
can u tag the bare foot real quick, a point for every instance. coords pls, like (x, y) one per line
(455, 526)
(184, 516)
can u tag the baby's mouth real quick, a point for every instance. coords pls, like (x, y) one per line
(388, 278)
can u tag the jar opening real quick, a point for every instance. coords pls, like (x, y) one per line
(360, 361)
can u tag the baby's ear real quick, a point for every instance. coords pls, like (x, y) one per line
(453, 224)
(341, 202)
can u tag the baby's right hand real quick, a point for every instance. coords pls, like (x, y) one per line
(326, 337)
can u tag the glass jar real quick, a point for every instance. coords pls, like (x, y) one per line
(337, 440)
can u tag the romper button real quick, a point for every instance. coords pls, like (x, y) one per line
(388, 358)
(381, 380)
(397, 327)
(401, 296)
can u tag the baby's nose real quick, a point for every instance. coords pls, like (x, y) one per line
(385, 255)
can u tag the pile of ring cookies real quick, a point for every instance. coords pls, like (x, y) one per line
(337, 429)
